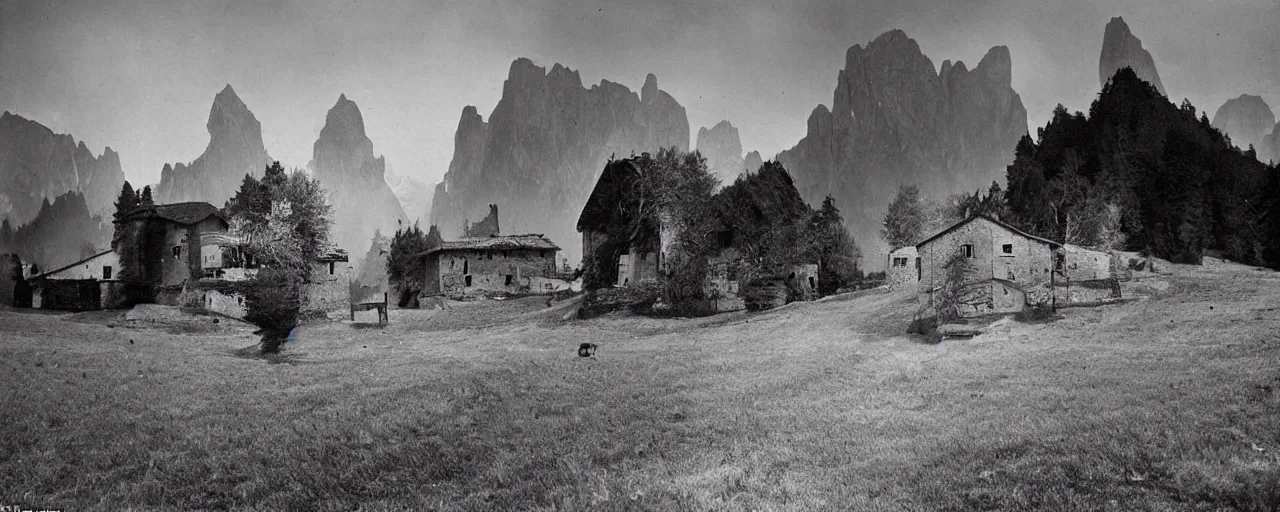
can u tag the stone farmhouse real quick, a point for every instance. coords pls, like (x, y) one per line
(497, 264)
(1002, 269)
(902, 267)
(644, 257)
(176, 229)
(91, 283)
(198, 262)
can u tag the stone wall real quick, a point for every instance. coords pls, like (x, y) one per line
(1081, 264)
(67, 294)
(328, 289)
(902, 268)
(1023, 263)
(464, 273)
(10, 274)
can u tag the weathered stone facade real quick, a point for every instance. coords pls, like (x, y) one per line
(328, 288)
(1004, 268)
(902, 268)
(84, 285)
(502, 264)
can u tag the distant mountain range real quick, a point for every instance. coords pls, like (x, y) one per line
(235, 149)
(896, 119)
(544, 145)
(343, 161)
(1120, 49)
(37, 164)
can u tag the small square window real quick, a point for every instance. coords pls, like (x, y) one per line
(106, 271)
(967, 250)
(1007, 248)
(177, 251)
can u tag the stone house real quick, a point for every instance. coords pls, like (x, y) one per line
(509, 264)
(178, 232)
(1004, 269)
(902, 267)
(642, 260)
(326, 291)
(91, 283)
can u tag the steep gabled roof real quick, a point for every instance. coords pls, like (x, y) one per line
(607, 193)
(184, 214)
(68, 266)
(992, 219)
(495, 243)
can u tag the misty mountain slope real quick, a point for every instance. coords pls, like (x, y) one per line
(64, 231)
(895, 120)
(1269, 148)
(1120, 49)
(722, 148)
(37, 164)
(235, 149)
(414, 195)
(1247, 120)
(343, 161)
(543, 147)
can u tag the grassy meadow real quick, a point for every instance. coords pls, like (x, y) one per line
(1170, 401)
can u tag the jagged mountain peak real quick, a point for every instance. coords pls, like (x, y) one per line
(1120, 49)
(1247, 119)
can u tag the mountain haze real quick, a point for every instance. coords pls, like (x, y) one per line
(1247, 120)
(544, 145)
(1120, 49)
(896, 119)
(235, 149)
(343, 161)
(37, 165)
(723, 150)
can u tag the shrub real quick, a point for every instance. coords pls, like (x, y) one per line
(273, 302)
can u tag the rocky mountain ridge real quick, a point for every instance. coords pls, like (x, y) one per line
(343, 161)
(1120, 48)
(37, 165)
(544, 145)
(235, 149)
(895, 120)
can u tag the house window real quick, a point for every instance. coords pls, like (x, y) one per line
(967, 250)
(177, 252)
(330, 268)
(1007, 248)
(542, 254)
(508, 281)
(106, 271)
(919, 271)
(466, 271)
(467, 280)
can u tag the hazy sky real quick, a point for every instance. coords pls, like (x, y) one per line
(140, 76)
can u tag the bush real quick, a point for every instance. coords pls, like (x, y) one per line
(1036, 315)
(273, 302)
(926, 326)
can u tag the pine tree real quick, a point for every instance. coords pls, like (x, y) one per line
(145, 200)
(125, 203)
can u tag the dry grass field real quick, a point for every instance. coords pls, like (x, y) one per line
(1169, 402)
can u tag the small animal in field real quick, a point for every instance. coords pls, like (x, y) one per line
(587, 350)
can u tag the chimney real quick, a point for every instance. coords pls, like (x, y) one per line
(493, 212)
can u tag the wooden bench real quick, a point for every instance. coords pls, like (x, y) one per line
(383, 319)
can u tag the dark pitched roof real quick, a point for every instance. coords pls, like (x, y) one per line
(181, 213)
(607, 193)
(992, 219)
(68, 266)
(495, 243)
(332, 255)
